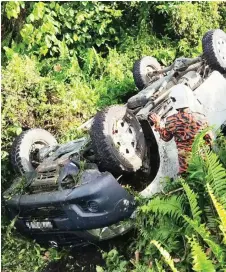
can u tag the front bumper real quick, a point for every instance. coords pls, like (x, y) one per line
(89, 211)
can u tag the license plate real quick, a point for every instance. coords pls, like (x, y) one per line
(39, 225)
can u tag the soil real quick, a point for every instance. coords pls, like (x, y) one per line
(86, 258)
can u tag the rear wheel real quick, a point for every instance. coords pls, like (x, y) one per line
(118, 140)
(214, 49)
(141, 70)
(25, 148)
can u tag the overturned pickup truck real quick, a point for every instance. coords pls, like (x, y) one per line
(73, 193)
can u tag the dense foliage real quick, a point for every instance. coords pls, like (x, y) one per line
(184, 227)
(62, 61)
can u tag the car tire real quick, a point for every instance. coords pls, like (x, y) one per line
(21, 151)
(214, 49)
(141, 68)
(118, 140)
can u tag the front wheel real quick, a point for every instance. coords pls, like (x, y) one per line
(25, 148)
(118, 140)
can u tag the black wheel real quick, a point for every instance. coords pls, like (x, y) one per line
(214, 49)
(24, 149)
(141, 69)
(118, 140)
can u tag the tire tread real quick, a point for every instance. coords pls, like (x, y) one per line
(103, 147)
(15, 157)
(208, 51)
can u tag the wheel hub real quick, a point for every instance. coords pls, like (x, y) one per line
(34, 152)
(149, 69)
(221, 48)
(149, 74)
(124, 138)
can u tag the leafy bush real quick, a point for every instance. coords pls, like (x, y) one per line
(30, 100)
(188, 22)
(49, 27)
(61, 99)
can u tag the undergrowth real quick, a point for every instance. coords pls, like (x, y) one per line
(184, 228)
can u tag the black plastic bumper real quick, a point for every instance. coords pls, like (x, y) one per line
(97, 204)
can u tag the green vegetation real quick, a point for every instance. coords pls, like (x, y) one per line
(62, 61)
(23, 255)
(183, 228)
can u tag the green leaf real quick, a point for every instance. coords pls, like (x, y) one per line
(71, 12)
(12, 9)
(32, 17)
(98, 42)
(4, 154)
(193, 201)
(55, 49)
(39, 10)
(200, 261)
(18, 131)
(166, 256)
(68, 24)
(80, 17)
(22, 4)
(206, 236)
(52, 4)
(43, 50)
(62, 10)
(75, 37)
(48, 41)
(99, 269)
(9, 52)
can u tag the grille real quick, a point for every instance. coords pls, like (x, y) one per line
(42, 213)
(42, 178)
(47, 181)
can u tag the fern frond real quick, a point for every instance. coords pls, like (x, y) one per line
(211, 221)
(159, 266)
(166, 256)
(192, 198)
(199, 141)
(196, 164)
(172, 206)
(206, 236)
(220, 210)
(209, 163)
(216, 176)
(200, 261)
(167, 232)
